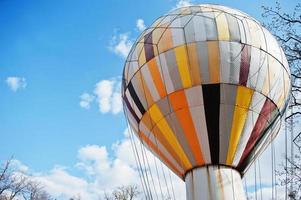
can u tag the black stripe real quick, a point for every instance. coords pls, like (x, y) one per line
(136, 98)
(128, 105)
(211, 96)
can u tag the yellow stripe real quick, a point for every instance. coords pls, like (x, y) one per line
(156, 116)
(222, 26)
(183, 67)
(243, 100)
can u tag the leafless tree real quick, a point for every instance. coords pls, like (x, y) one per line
(16, 185)
(12, 184)
(286, 27)
(123, 193)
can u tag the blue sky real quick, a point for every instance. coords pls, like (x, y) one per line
(62, 49)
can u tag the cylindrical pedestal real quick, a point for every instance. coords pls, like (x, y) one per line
(214, 183)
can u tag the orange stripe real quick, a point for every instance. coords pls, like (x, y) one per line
(154, 148)
(213, 59)
(153, 68)
(194, 64)
(180, 106)
(148, 122)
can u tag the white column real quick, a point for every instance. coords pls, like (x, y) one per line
(214, 183)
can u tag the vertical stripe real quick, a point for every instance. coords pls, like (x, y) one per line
(180, 106)
(243, 100)
(233, 28)
(173, 69)
(128, 105)
(148, 47)
(157, 33)
(183, 67)
(225, 69)
(157, 151)
(227, 106)
(249, 125)
(178, 130)
(132, 103)
(160, 137)
(165, 42)
(258, 129)
(210, 25)
(136, 98)
(139, 88)
(157, 116)
(153, 67)
(214, 62)
(189, 31)
(177, 36)
(146, 90)
(202, 51)
(195, 102)
(235, 54)
(189, 186)
(195, 72)
(222, 26)
(141, 53)
(256, 62)
(165, 74)
(199, 27)
(152, 137)
(211, 95)
(245, 65)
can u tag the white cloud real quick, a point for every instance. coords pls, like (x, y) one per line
(16, 83)
(183, 3)
(85, 100)
(108, 96)
(59, 183)
(121, 44)
(19, 166)
(140, 24)
(101, 171)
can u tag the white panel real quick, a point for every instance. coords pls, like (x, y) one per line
(224, 50)
(263, 71)
(201, 188)
(199, 27)
(189, 186)
(257, 102)
(247, 32)
(199, 121)
(255, 64)
(274, 73)
(194, 96)
(177, 36)
(257, 35)
(242, 31)
(149, 83)
(227, 183)
(272, 45)
(235, 54)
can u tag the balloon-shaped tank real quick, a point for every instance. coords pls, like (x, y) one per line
(204, 88)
